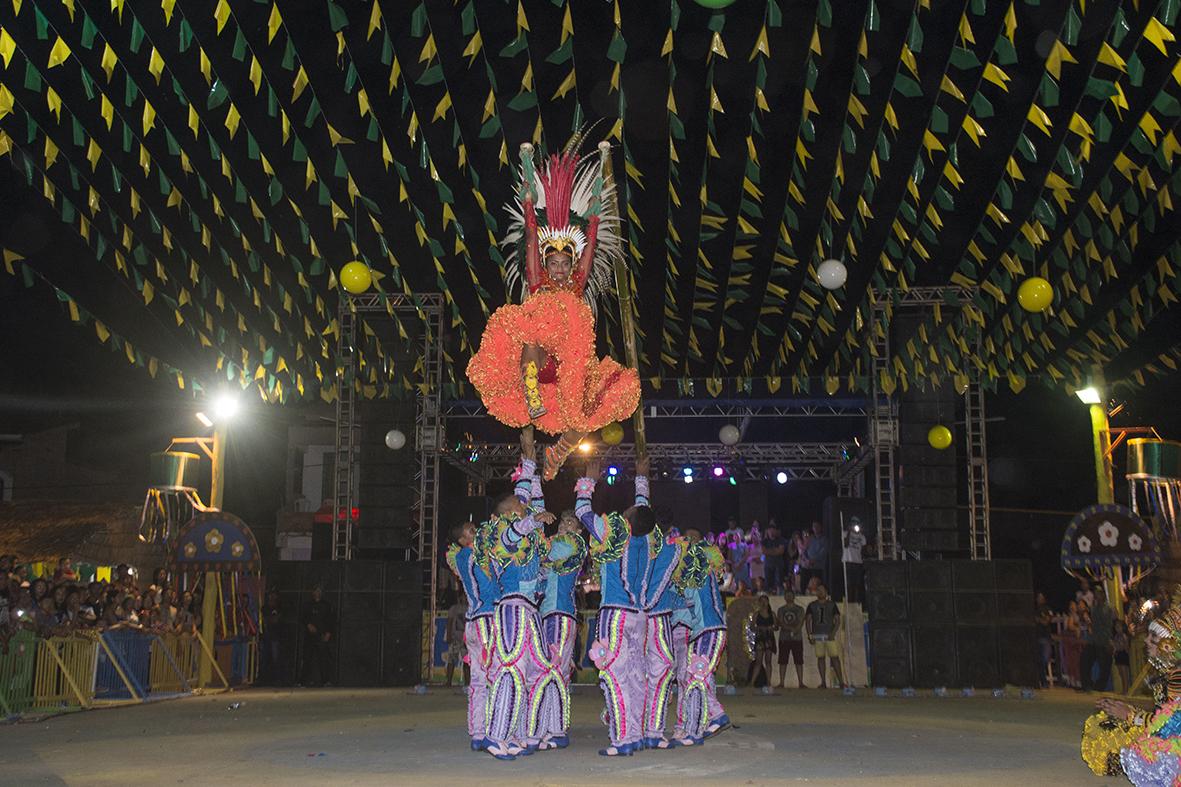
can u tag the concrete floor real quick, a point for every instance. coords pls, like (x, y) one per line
(386, 736)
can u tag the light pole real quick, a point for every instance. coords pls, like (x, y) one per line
(1093, 397)
(225, 407)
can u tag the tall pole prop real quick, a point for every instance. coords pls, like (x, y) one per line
(209, 600)
(624, 290)
(1104, 483)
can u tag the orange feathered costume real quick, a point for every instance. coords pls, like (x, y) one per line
(579, 391)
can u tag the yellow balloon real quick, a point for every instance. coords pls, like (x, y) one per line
(939, 437)
(612, 434)
(355, 277)
(1035, 294)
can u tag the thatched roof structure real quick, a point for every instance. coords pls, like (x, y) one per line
(99, 533)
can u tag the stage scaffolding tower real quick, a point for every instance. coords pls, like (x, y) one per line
(883, 436)
(979, 528)
(428, 438)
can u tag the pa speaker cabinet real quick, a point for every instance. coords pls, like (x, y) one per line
(1013, 575)
(1018, 648)
(930, 574)
(1014, 608)
(973, 575)
(891, 665)
(935, 662)
(976, 653)
(885, 575)
(975, 606)
(931, 607)
(887, 607)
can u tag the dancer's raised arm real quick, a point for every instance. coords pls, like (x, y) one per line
(529, 205)
(642, 487)
(584, 488)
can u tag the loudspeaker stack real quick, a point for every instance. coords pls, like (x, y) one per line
(378, 608)
(951, 623)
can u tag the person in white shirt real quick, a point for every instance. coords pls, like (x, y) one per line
(851, 556)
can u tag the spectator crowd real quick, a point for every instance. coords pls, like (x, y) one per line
(61, 603)
(1086, 642)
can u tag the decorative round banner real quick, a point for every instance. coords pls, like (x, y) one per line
(215, 541)
(1109, 535)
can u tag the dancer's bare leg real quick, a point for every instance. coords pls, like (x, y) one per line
(555, 455)
(532, 359)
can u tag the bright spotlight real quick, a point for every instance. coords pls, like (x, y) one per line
(733, 481)
(1088, 395)
(689, 479)
(225, 407)
(719, 471)
(612, 470)
(781, 477)
(584, 448)
(688, 471)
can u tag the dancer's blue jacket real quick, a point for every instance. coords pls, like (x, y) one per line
(634, 570)
(566, 554)
(518, 578)
(703, 609)
(482, 590)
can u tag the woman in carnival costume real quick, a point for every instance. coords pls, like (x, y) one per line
(482, 594)
(699, 641)
(1143, 745)
(508, 548)
(536, 363)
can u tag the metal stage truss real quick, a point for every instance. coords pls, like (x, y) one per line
(883, 429)
(428, 425)
(747, 461)
(700, 408)
(845, 464)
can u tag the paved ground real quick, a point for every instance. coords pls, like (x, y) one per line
(385, 736)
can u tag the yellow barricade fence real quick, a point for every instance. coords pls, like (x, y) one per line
(64, 677)
(174, 663)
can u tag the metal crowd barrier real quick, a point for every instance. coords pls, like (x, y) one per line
(119, 666)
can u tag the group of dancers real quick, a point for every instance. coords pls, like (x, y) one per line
(1144, 744)
(661, 621)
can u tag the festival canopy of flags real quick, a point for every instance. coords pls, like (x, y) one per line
(223, 161)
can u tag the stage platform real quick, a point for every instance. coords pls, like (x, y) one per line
(386, 736)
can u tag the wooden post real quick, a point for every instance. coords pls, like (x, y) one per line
(624, 290)
(209, 600)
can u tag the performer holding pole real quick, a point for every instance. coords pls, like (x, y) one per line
(508, 547)
(561, 565)
(702, 623)
(623, 544)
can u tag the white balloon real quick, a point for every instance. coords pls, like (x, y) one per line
(394, 439)
(832, 274)
(729, 434)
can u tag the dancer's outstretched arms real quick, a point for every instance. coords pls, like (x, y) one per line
(584, 488)
(523, 480)
(519, 530)
(642, 487)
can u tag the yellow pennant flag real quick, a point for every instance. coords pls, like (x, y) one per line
(7, 47)
(59, 53)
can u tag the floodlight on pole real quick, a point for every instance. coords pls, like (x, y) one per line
(1088, 395)
(225, 406)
